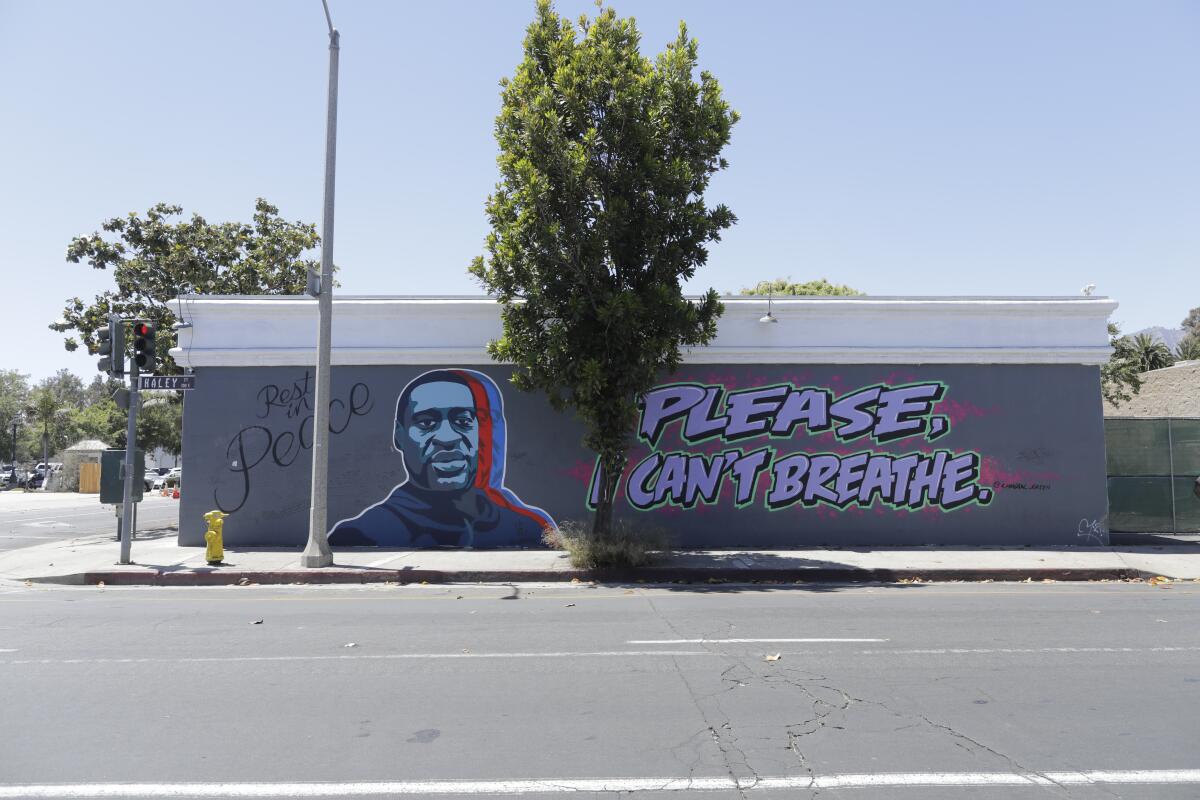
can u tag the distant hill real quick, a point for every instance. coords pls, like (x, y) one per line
(1168, 336)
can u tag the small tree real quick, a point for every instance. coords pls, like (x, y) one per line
(156, 258)
(783, 287)
(599, 218)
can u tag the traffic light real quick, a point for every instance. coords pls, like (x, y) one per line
(112, 347)
(143, 345)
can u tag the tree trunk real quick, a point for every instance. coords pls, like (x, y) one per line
(611, 467)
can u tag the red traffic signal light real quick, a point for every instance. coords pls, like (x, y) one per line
(143, 345)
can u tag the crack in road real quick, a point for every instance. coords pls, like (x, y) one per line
(1014, 765)
(722, 734)
(829, 709)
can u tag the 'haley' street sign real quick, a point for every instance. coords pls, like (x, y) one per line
(180, 382)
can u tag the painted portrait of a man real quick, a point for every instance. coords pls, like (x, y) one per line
(451, 433)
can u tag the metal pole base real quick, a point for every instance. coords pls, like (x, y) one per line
(319, 556)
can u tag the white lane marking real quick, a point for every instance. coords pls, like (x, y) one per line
(364, 789)
(55, 524)
(100, 517)
(8, 649)
(100, 514)
(595, 654)
(742, 641)
(954, 651)
(364, 657)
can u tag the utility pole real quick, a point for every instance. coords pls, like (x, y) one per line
(317, 552)
(127, 512)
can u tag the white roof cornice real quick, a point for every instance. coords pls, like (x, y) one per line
(281, 330)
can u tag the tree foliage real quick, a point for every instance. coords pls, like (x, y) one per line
(784, 287)
(599, 218)
(67, 411)
(1191, 323)
(49, 415)
(1119, 378)
(1188, 348)
(1151, 353)
(157, 257)
(14, 399)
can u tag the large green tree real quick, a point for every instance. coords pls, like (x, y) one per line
(160, 423)
(156, 257)
(784, 287)
(599, 218)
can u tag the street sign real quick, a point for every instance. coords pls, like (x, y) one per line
(178, 382)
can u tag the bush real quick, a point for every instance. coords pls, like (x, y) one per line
(628, 545)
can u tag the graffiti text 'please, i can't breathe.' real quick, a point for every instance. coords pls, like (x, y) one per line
(871, 415)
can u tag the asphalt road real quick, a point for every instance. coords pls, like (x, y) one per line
(30, 518)
(993, 690)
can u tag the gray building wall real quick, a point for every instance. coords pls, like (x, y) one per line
(1022, 455)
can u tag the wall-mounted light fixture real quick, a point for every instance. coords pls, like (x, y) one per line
(769, 318)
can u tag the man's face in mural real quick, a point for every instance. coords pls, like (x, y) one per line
(438, 434)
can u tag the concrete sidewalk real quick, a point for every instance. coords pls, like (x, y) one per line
(160, 561)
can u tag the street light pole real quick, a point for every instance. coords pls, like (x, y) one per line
(317, 552)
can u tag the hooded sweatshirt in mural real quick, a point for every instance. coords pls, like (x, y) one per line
(485, 514)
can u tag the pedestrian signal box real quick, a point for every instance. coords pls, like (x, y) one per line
(112, 479)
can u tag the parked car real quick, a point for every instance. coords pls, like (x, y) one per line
(13, 477)
(171, 478)
(152, 475)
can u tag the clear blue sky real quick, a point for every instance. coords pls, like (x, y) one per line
(1017, 147)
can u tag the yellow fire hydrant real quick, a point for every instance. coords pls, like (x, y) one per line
(214, 552)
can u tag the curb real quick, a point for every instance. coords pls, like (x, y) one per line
(692, 575)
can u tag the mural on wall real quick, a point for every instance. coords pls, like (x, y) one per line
(860, 420)
(450, 431)
(745, 455)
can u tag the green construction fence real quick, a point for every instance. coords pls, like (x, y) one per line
(1153, 464)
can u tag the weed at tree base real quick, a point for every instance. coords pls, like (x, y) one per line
(626, 545)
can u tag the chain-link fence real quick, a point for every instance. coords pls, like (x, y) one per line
(1153, 464)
